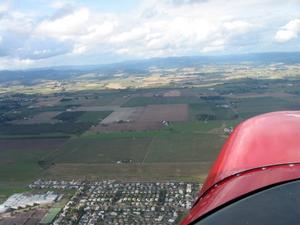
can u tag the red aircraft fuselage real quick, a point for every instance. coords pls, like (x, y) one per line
(261, 151)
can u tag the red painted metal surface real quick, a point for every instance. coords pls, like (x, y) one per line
(260, 152)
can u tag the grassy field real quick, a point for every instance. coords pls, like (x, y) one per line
(20, 161)
(85, 150)
(180, 151)
(65, 128)
(93, 117)
(212, 111)
(181, 142)
(166, 148)
(143, 101)
(50, 216)
(248, 107)
(183, 151)
(69, 116)
(131, 172)
(96, 99)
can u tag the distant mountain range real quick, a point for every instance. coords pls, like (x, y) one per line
(142, 66)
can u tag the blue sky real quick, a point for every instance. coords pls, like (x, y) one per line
(38, 33)
(115, 6)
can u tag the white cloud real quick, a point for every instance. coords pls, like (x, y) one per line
(238, 26)
(288, 32)
(168, 30)
(95, 32)
(173, 31)
(131, 35)
(16, 22)
(4, 6)
(79, 30)
(66, 26)
(209, 49)
(15, 63)
(79, 49)
(80, 26)
(60, 4)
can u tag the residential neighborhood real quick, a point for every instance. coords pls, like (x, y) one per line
(115, 202)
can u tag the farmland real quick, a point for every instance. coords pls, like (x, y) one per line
(155, 133)
(51, 214)
(161, 146)
(31, 217)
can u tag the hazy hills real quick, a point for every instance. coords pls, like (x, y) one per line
(142, 66)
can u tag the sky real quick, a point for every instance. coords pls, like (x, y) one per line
(44, 33)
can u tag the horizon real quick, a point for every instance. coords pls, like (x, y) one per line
(74, 32)
(208, 56)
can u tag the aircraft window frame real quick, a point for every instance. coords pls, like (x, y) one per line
(277, 205)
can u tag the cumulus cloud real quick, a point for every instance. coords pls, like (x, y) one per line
(188, 1)
(4, 6)
(153, 28)
(79, 26)
(15, 29)
(170, 30)
(289, 31)
(16, 23)
(79, 49)
(181, 35)
(41, 48)
(15, 63)
(60, 4)
(65, 26)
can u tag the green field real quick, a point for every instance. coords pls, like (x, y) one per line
(178, 138)
(248, 107)
(93, 117)
(186, 145)
(65, 128)
(131, 172)
(50, 216)
(143, 101)
(21, 161)
(69, 116)
(176, 145)
(18, 165)
(82, 117)
(212, 111)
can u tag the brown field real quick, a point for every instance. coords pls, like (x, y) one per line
(132, 172)
(173, 93)
(97, 108)
(267, 94)
(119, 101)
(48, 102)
(44, 117)
(142, 118)
(127, 126)
(31, 143)
(156, 113)
(32, 217)
(101, 101)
